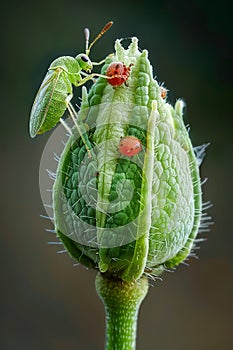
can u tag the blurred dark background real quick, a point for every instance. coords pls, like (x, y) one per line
(46, 303)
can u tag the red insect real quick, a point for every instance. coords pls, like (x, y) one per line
(130, 145)
(163, 92)
(120, 71)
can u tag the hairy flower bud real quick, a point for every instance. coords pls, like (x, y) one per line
(128, 214)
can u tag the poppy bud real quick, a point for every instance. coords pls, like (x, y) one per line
(128, 214)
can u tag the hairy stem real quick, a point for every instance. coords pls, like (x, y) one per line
(122, 301)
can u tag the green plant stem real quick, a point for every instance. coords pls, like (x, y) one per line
(122, 301)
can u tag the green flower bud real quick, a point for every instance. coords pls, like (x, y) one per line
(128, 215)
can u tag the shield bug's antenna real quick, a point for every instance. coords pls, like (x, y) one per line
(87, 35)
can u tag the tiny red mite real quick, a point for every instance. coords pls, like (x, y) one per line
(163, 92)
(130, 146)
(120, 71)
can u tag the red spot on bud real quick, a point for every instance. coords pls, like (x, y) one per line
(163, 92)
(130, 146)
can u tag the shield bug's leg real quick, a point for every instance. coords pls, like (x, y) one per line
(99, 63)
(66, 126)
(90, 77)
(103, 61)
(97, 75)
(69, 98)
(86, 75)
(74, 117)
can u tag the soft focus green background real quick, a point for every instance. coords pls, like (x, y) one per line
(46, 303)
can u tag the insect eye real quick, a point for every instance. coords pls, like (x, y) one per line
(84, 58)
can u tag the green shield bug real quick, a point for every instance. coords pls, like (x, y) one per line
(55, 92)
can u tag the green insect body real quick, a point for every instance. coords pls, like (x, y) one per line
(56, 91)
(50, 102)
(129, 215)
